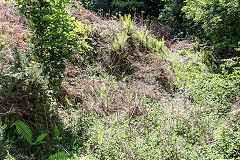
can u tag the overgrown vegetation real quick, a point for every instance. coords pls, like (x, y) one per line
(75, 86)
(220, 21)
(54, 36)
(214, 22)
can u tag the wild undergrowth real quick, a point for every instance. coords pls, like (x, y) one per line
(131, 98)
(200, 120)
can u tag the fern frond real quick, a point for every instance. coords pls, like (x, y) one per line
(40, 138)
(59, 156)
(24, 130)
(56, 132)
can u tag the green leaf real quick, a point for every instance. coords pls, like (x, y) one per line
(23, 129)
(56, 132)
(59, 156)
(40, 138)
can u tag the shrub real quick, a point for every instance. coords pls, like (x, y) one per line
(171, 14)
(228, 146)
(120, 42)
(220, 20)
(54, 38)
(208, 89)
(142, 36)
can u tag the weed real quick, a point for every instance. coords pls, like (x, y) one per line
(128, 24)
(142, 36)
(120, 43)
(208, 88)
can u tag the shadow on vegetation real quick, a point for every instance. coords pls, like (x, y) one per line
(31, 103)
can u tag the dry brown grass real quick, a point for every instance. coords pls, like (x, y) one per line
(14, 28)
(160, 31)
(9, 13)
(84, 14)
(13, 35)
(88, 92)
(147, 75)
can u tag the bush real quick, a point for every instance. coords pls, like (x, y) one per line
(172, 14)
(208, 89)
(54, 37)
(220, 20)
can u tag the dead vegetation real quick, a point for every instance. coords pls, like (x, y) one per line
(13, 35)
(14, 28)
(139, 75)
(145, 75)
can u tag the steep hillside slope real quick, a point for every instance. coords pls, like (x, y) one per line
(128, 97)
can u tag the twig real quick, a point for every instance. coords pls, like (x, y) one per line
(66, 150)
(11, 110)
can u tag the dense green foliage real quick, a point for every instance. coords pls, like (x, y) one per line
(172, 15)
(24, 131)
(140, 7)
(217, 22)
(54, 37)
(96, 5)
(220, 20)
(210, 89)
